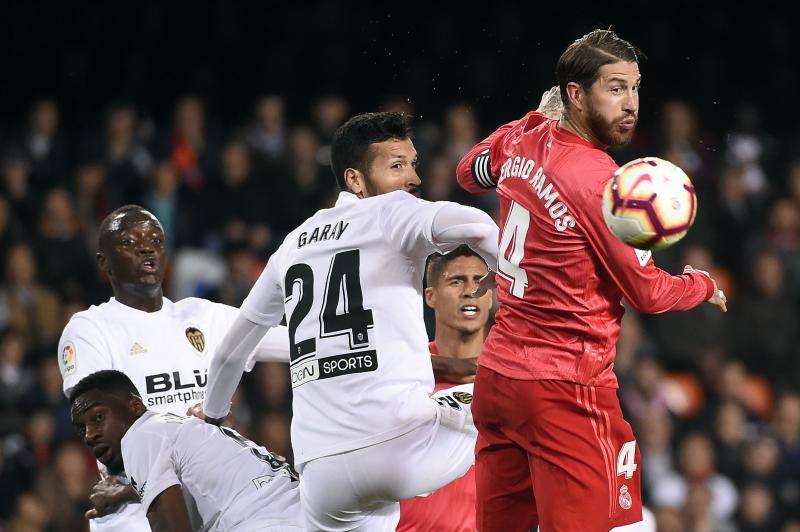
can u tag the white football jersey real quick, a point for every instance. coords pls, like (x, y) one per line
(164, 353)
(349, 280)
(226, 480)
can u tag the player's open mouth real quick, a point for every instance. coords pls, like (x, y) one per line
(470, 310)
(150, 266)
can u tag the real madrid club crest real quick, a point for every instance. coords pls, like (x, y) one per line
(625, 499)
(196, 338)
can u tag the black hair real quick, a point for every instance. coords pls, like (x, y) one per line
(107, 380)
(438, 262)
(581, 61)
(351, 141)
(105, 225)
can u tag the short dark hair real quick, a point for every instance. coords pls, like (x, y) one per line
(438, 262)
(107, 380)
(105, 225)
(581, 61)
(351, 141)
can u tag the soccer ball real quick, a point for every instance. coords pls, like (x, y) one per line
(649, 203)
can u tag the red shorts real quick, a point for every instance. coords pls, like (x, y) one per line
(554, 454)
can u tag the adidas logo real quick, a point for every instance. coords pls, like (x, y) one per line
(137, 349)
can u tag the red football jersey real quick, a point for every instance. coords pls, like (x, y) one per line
(450, 508)
(561, 272)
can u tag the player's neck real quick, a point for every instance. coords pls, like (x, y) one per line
(149, 299)
(453, 343)
(579, 130)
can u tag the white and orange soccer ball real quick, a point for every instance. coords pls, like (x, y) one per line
(649, 203)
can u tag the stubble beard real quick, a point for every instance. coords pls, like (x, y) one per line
(606, 132)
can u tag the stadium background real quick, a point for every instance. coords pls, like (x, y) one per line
(217, 117)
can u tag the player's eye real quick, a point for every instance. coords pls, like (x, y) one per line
(414, 164)
(617, 90)
(127, 241)
(98, 418)
(397, 166)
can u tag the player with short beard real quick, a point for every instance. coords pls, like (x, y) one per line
(550, 427)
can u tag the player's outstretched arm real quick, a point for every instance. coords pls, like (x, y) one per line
(167, 512)
(227, 364)
(456, 224)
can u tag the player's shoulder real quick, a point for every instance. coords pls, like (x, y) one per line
(592, 167)
(92, 318)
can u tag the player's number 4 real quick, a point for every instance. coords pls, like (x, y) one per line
(512, 249)
(626, 459)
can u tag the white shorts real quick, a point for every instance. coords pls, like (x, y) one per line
(361, 489)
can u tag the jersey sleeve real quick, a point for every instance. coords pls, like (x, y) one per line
(406, 223)
(149, 463)
(264, 303)
(274, 347)
(646, 287)
(477, 171)
(82, 351)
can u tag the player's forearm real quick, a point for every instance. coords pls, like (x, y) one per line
(672, 293)
(227, 364)
(456, 224)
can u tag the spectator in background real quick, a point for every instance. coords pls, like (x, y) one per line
(793, 182)
(267, 135)
(730, 436)
(681, 143)
(786, 424)
(243, 268)
(45, 146)
(64, 486)
(329, 113)
(460, 132)
(311, 185)
(10, 231)
(17, 187)
(191, 145)
(736, 218)
(757, 512)
(682, 337)
(16, 378)
(764, 331)
(64, 261)
(697, 472)
(748, 148)
(31, 514)
(172, 205)
(237, 206)
(25, 305)
(128, 161)
(93, 199)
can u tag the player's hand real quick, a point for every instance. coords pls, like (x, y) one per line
(197, 411)
(455, 370)
(551, 105)
(487, 282)
(108, 496)
(718, 298)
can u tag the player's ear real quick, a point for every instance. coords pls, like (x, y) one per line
(430, 296)
(102, 262)
(354, 180)
(576, 95)
(137, 406)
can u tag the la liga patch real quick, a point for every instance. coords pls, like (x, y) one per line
(68, 359)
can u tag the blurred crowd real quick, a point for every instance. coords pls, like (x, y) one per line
(713, 398)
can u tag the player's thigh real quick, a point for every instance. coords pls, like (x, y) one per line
(585, 470)
(335, 497)
(504, 490)
(505, 498)
(418, 462)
